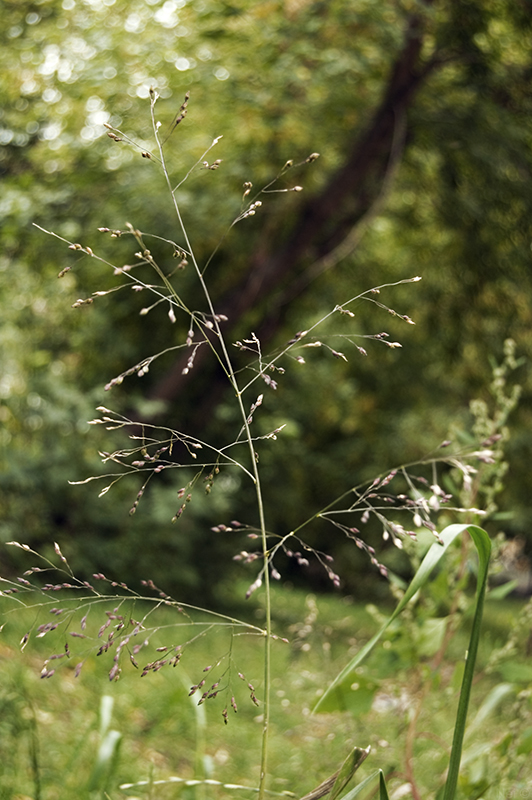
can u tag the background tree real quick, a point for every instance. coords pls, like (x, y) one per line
(420, 112)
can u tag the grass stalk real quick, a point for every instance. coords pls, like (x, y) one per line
(226, 363)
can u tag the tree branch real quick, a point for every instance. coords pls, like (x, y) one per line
(327, 225)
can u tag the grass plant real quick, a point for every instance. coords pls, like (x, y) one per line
(151, 633)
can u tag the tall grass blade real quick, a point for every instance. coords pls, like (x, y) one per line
(328, 701)
(483, 545)
(361, 786)
(383, 791)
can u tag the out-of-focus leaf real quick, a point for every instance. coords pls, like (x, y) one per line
(500, 592)
(490, 704)
(108, 750)
(354, 694)
(430, 635)
(525, 742)
(516, 673)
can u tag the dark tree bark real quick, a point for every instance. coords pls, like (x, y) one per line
(327, 220)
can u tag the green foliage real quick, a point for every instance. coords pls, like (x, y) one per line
(106, 757)
(157, 722)
(456, 213)
(429, 158)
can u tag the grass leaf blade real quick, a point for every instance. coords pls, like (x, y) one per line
(483, 545)
(432, 558)
(361, 786)
(353, 761)
(383, 791)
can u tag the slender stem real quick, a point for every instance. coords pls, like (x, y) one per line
(226, 362)
(268, 630)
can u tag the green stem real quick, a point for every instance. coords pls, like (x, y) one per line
(268, 630)
(226, 361)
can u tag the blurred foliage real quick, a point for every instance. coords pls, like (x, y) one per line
(51, 730)
(279, 80)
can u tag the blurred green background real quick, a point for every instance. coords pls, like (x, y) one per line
(86, 737)
(421, 113)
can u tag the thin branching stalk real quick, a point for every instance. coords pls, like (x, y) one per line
(228, 368)
(369, 498)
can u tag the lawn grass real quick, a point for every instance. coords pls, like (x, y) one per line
(49, 729)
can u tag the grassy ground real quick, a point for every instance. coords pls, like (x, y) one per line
(50, 730)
